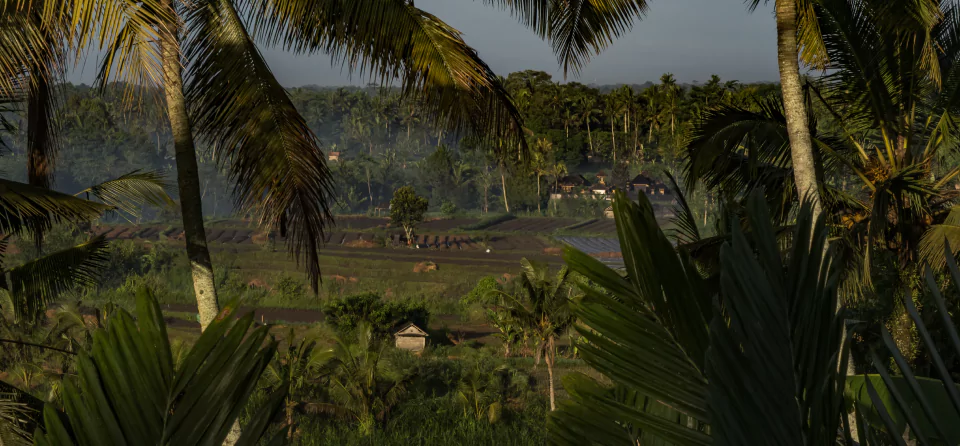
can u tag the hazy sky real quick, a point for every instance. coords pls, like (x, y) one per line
(690, 38)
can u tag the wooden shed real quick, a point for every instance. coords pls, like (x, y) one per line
(411, 337)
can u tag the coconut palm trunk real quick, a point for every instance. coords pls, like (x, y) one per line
(589, 135)
(503, 184)
(801, 145)
(548, 358)
(613, 140)
(538, 194)
(188, 182)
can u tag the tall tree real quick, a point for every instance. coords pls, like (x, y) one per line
(541, 306)
(229, 98)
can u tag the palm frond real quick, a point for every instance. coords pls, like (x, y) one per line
(22, 45)
(647, 331)
(19, 415)
(131, 55)
(685, 223)
(129, 192)
(242, 111)
(33, 285)
(392, 39)
(777, 318)
(128, 391)
(930, 406)
(932, 241)
(576, 29)
(581, 27)
(23, 206)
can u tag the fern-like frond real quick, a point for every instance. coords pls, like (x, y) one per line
(241, 110)
(392, 39)
(23, 206)
(33, 285)
(129, 192)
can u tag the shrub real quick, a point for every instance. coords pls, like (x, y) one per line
(289, 289)
(346, 313)
(448, 208)
(482, 292)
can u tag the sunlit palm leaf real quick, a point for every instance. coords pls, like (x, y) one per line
(21, 44)
(242, 111)
(932, 242)
(22, 205)
(128, 390)
(33, 285)
(130, 192)
(390, 39)
(131, 55)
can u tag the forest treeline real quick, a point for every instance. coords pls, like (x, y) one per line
(385, 140)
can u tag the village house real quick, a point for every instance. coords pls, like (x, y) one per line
(411, 337)
(641, 182)
(568, 183)
(601, 178)
(333, 156)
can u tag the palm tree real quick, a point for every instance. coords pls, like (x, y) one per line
(541, 307)
(588, 106)
(539, 163)
(887, 136)
(612, 105)
(363, 387)
(295, 369)
(229, 99)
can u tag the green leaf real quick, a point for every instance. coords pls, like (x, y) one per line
(33, 285)
(129, 392)
(932, 390)
(129, 192)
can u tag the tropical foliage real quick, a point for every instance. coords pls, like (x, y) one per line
(128, 389)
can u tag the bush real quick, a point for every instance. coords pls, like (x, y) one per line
(346, 313)
(289, 289)
(448, 208)
(482, 292)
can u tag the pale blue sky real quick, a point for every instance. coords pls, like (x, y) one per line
(690, 38)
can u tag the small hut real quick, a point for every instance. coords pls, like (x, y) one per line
(333, 156)
(641, 182)
(410, 337)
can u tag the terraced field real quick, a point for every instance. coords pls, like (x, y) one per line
(532, 224)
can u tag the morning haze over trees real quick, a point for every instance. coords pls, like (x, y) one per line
(193, 254)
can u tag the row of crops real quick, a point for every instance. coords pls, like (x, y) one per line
(607, 250)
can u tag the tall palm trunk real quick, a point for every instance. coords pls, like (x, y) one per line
(548, 358)
(613, 140)
(503, 184)
(188, 182)
(538, 193)
(369, 187)
(590, 136)
(801, 146)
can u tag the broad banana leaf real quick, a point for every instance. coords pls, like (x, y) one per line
(128, 391)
